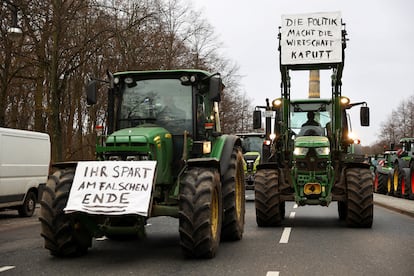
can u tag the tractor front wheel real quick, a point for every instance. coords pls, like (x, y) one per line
(382, 183)
(233, 198)
(64, 236)
(342, 210)
(200, 214)
(390, 183)
(360, 201)
(267, 198)
(396, 177)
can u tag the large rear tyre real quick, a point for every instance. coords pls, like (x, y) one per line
(29, 205)
(64, 236)
(403, 182)
(267, 198)
(360, 202)
(390, 183)
(200, 215)
(233, 198)
(411, 183)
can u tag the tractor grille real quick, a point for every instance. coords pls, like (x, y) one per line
(130, 156)
(312, 162)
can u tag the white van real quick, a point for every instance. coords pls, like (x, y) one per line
(24, 167)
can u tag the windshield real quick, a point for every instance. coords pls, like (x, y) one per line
(252, 143)
(299, 121)
(165, 102)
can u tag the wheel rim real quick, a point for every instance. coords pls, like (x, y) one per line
(403, 185)
(389, 184)
(376, 183)
(214, 214)
(395, 180)
(412, 181)
(30, 204)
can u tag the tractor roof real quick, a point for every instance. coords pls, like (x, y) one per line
(164, 72)
(407, 140)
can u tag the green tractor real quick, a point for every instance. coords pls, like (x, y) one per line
(384, 172)
(168, 120)
(313, 160)
(403, 173)
(252, 144)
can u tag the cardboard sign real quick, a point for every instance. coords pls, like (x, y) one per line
(311, 38)
(112, 187)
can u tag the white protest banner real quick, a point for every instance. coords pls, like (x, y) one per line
(311, 38)
(112, 187)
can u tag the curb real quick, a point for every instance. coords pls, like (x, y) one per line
(399, 205)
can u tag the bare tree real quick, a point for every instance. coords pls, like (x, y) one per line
(399, 124)
(65, 41)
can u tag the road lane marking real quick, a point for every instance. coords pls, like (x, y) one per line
(295, 206)
(272, 273)
(285, 235)
(5, 268)
(292, 215)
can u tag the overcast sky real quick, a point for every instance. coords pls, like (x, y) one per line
(379, 58)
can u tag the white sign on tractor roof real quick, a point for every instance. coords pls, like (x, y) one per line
(311, 38)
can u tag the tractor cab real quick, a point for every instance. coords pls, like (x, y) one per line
(168, 116)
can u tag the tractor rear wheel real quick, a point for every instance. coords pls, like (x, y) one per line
(267, 198)
(200, 214)
(360, 202)
(411, 183)
(233, 198)
(63, 235)
(404, 181)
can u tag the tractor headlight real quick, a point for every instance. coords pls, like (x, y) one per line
(344, 101)
(323, 151)
(300, 151)
(276, 103)
(206, 147)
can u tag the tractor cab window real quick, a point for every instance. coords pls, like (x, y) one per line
(164, 102)
(252, 144)
(201, 117)
(408, 146)
(310, 123)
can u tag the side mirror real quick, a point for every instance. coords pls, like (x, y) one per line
(215, 88)
(91, 92)
(364, 115)
(257, 119)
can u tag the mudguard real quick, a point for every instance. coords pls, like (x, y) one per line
(223, 149)
(204, 162)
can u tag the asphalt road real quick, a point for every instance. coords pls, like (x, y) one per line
(311, 241)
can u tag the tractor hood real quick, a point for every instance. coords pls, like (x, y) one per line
(143, 134)
(312, 141)
(144, 142)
